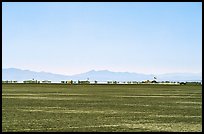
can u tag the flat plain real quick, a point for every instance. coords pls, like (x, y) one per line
(101, 108)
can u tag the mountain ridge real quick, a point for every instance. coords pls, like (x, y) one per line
(100, 75)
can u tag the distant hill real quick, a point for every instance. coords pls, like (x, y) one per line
(20, 75)
(102, 75)
(108, 75)
(181, 77)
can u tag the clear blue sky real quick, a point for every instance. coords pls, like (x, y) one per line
(71, 38)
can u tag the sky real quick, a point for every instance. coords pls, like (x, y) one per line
(74, 37)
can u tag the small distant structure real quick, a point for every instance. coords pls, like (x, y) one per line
(113, 82)
(129, 82)
(74, 82)
(10, 81)
(109, 82)
(135, 82)
(146, 81)
(83, 82)
(31, 81)
(69, 82)
(63, 82)
(46, 81)
(15, 81)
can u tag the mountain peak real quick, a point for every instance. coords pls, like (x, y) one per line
(99, 75)
(92, 70)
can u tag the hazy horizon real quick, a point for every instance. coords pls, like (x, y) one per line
(74, 37)
(105, 70)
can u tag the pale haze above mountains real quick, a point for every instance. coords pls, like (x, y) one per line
(102, 75)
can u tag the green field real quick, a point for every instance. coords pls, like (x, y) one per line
(58, 107)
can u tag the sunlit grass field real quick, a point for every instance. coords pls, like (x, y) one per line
(61, 107)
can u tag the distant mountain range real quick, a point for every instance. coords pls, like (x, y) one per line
(102, 75)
